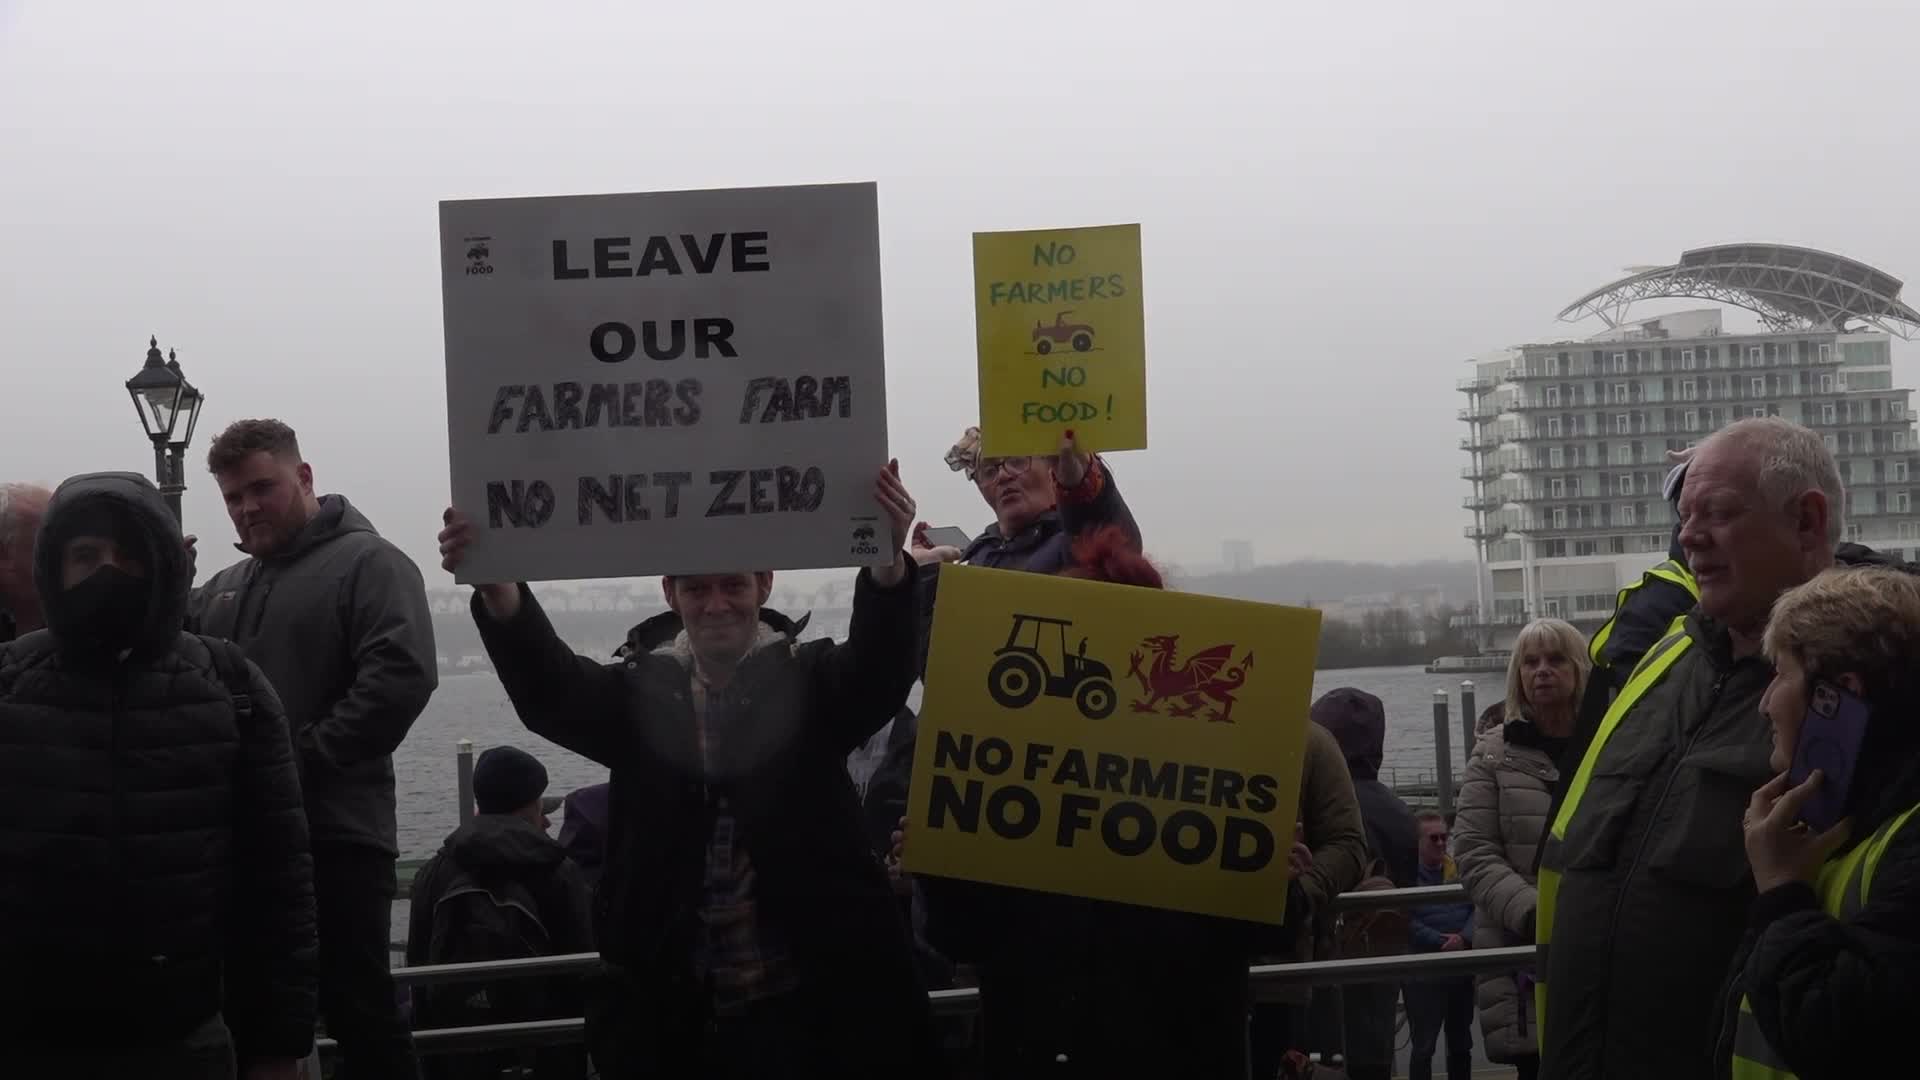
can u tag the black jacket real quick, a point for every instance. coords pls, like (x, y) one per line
(339, 622)
(152, 845)
(816, 876)
(1834, 997)
(503, 847)
(493, 849)
(1118, 990)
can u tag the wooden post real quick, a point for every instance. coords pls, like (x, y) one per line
(463, 768)
(1442, 753)
(1469, 718)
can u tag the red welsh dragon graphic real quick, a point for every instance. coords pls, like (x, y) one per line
(1186, 688)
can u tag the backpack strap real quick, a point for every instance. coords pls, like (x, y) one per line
(230, 664)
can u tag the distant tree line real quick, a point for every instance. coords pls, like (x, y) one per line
(1391, 638)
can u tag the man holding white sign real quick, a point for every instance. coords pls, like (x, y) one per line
(746, 926)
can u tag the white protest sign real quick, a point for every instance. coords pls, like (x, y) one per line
(666, 383)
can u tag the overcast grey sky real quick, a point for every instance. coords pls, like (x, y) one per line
(1339, 204)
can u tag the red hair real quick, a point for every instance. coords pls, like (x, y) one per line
(1108, 554)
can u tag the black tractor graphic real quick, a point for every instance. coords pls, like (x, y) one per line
(864, 532)
(1035, 661)
(479, 253)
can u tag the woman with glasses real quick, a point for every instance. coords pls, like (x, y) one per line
(1502, 820)
(1040, 506)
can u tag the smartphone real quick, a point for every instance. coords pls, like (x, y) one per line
(948, 536)
(1830, 737)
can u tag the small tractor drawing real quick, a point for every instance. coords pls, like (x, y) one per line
(864, 532)
(1035, 660)
(478, 252)
(1079, 335)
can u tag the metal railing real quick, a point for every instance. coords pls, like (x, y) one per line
(1265, 979)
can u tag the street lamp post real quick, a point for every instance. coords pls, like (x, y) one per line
(164, 398)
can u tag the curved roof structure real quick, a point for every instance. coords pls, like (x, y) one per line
(1790, 288)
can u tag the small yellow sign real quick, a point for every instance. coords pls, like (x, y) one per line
(1063, 340)
(1112, 742)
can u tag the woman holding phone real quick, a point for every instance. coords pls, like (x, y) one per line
(1827, 978)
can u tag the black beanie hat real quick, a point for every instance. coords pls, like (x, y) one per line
(507, 778)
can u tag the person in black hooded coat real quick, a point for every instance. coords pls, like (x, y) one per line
(156, 890)
(501, 863)
(1358, 721)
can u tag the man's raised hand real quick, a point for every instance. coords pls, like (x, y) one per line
(898, 505)
(501, 601)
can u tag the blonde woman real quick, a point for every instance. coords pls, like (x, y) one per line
(1502, 820)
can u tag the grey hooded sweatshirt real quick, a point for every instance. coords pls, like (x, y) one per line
(339, 622)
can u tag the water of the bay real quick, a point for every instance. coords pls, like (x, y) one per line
(474, 707)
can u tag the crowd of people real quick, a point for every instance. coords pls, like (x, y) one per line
(197, 822)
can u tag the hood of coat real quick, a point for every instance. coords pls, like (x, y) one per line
(133, 510)
(1358, 722)
(1524, 732)
(336, 518)
(1886, 777)
(502, 845)
(583, 823)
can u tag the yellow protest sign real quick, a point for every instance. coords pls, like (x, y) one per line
(1062, 338)
(1112, 742)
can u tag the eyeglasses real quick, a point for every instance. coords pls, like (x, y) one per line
(990, 467)
(1437, 838)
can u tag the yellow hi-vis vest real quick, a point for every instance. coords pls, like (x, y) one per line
(1653, 667)
(1667, 570)
(1843, 885)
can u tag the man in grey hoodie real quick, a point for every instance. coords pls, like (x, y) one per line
(337, 618)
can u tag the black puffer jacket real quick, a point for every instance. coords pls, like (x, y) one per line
(151, 844)
(807, 705)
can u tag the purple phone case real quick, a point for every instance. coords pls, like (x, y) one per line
(1830, 736)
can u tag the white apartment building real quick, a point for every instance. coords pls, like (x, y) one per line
(1567, 440)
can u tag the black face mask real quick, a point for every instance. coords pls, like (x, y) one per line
(107, 609)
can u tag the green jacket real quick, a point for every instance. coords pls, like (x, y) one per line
(1653, 884)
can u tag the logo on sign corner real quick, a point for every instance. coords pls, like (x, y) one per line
(479, 252)
(864, 542)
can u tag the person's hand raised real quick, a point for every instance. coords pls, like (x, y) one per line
(1070, 466)
(502, 601)
(898, 506)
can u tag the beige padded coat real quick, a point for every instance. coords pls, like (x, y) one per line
(1501, 821)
